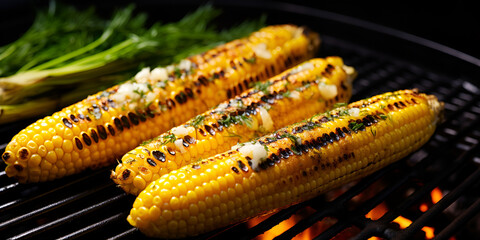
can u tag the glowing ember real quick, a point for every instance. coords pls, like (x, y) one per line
(423, 207)
(436, 195)
(405, 222)
(377, 212)
(283, 226)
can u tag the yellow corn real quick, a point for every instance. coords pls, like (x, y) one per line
(103, 127)
(284, 99)
(291, 165)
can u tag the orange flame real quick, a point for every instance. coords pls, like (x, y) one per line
(283, 226)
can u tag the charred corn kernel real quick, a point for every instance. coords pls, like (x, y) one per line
(215, 131)
(108, 124)
(295, 163)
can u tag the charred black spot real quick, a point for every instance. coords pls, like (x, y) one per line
(326, 138)
(170, 103)
(171, 151)
(118, 124)
(315, 168)
(402, 104)
(111, 129)
(6, 156)
(202, 132)
(81, 116)
(105, 108)
(275, 158)
(196, 166)
(86, 139)
(151, 162)
(181, 98)
(88, 118)
(390, 107)
(160, 156)
(23, 153)
(102, 132)
(133, 118)
(242, 166)
(125, 174)
(283, 153)
(78, 143)
(346, 130)
(150, 113)
(142, 116)
(304, 173)
(334, 136)
(340, 133)
(235, 170)
(297, 130)
(125, 122)
(18, 167)
(74, 119)
(67, 123)
(203, 80)
(189, 92)
(210, 130)
(94, 135)
(185, 144)
(189, 139)
(229, 93)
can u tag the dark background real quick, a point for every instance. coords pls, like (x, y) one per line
(453, 23)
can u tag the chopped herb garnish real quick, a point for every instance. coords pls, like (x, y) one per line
(383, 116)
(290, 136)
(139, 92)
(170, 138)
(262, 86)
(198, 120)
(251, 60)
(337, 105)
(356, 126)
(239, 119)
(286, 94)
(177, 72)
(373, 131)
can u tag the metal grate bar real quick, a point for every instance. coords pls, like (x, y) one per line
(439, 207)
(35, 231)
(79, 233)
(460, 221)
(50, 207)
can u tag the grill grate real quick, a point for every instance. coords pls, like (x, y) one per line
(89, 204)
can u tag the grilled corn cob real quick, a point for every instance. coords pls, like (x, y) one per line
(297, 93)
(105, 126)
(293, 164)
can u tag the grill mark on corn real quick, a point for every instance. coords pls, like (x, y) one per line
(125, 122)
(86, 139)
(74, 119)
(23, 153)
(67, 123)
(160, 156)
(125, 174)
(151, 162)
(133, 118)
(102, 132)
(94, 135)
(78, 143)
(118, 123)
(111, 129)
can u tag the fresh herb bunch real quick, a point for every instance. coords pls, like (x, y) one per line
(68, 54)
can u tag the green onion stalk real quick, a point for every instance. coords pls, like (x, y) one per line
(68, 54)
